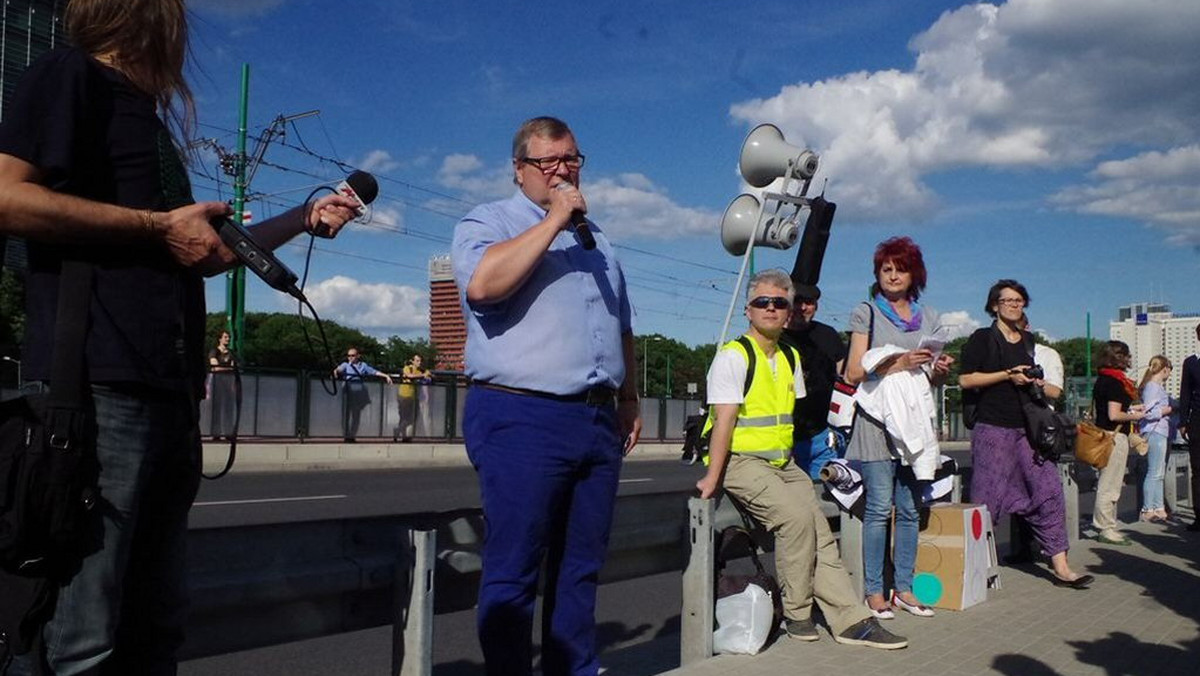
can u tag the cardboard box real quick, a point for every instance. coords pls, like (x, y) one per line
(956, 557)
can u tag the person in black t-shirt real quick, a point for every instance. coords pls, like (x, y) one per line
(1113, 395)
(821, 353)
(1189, 420)
(90, 172)
(1007, 475)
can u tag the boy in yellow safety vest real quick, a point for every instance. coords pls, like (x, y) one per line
(750, 457)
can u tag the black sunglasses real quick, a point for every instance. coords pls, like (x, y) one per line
(763, 302)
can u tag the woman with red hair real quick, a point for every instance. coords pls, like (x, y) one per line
(895, 319)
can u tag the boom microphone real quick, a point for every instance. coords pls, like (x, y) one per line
(579, 222)
(358, 186)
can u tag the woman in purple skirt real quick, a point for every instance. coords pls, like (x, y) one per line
(1007, 474)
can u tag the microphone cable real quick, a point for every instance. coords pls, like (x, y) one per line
(327, 382)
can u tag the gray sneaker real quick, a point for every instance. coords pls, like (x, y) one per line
(804, 630)
(870, 633)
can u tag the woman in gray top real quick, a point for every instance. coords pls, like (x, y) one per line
(893, 316)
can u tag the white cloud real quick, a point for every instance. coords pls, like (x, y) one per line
(957, 324)
(468, 174)
(383, 219)
(387, 307)
(378, 160)
(1156, 187)
(1029, 83)
(631, 205)
(624, 206)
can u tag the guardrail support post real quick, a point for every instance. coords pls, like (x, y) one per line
(412, 632)
(696, 629)
(1070, 489)
(850, 542)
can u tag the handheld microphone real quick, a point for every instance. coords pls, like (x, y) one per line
(358, 186)
(579, 223)
(256, 258)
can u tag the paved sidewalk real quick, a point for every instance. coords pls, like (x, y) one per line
(1141, 617)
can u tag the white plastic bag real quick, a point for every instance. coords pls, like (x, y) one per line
(743, 621)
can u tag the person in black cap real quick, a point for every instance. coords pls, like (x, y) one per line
(821, 353)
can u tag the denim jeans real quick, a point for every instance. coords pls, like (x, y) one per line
(811, 453)
(1156, 462)
(123, 612)
(888, 484)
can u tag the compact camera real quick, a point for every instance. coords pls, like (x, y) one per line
(1035, 372)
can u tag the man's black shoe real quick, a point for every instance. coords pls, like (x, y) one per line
(870, 633)
(804, 630)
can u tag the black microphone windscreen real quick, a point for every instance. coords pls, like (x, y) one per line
(364, 185)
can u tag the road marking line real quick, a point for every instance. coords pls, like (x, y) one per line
(635, 481)
(262, 500)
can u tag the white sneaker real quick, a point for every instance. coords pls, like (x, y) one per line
(913, 609)
(885, 614)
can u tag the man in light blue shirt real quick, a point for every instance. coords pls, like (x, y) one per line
(551, 411)
(355, 396)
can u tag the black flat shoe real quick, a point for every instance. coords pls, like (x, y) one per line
(1081, 582)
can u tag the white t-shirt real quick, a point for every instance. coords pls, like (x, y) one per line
(727, 376)
(1046, 357)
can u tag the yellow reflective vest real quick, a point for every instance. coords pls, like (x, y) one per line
(764, 421)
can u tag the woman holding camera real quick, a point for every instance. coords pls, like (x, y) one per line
(1114, 395)
(893, 317)
(1007, 475)
(1155, 426)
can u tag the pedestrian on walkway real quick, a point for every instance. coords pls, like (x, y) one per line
(355, 396)
(750, 456)
(1189, 420)
(892, 319)
(1155, 427)
(1115, 399)
(1007, 474)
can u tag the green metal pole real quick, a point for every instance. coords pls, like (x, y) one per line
(1088, 351)
(235, 279)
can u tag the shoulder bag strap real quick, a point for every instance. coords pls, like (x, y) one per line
(751, 358)
(67, 377)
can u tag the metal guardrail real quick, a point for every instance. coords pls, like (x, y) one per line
(262, 585)
(297, 405)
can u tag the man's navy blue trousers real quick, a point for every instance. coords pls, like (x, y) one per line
(548, 473)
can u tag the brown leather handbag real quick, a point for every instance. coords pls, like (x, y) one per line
(1093, 445)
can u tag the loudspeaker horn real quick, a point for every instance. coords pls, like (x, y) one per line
(766, 156)
(739, 227)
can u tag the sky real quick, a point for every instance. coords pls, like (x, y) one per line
(1056, 142)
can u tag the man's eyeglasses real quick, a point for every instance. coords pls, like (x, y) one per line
(351, 355)
(763, 302)
(548, 165)
(1011, 302)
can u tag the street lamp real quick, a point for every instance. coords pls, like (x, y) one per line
(18, 363)
(646, 361)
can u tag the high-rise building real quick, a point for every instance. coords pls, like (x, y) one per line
(1150, 329)
(28, 29)
(447, 330)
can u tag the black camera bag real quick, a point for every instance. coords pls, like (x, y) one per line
(48, 474)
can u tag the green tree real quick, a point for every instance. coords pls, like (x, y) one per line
(277, 340)
(1074, 353)
(398, 351)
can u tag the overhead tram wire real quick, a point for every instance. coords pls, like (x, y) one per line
(412, 232)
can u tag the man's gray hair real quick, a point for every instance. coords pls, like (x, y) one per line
(774, 277)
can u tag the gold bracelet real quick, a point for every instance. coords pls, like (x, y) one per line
(148, 223)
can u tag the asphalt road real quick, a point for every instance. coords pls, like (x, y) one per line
(286, 497)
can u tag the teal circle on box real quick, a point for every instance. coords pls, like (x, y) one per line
(927, 588)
